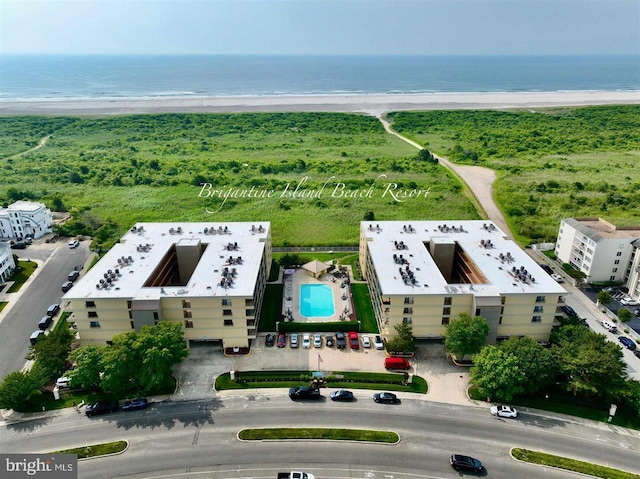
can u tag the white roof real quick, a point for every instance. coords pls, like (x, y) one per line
(496, 260)
(139, 251)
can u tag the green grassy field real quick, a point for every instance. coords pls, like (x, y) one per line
(112, 172)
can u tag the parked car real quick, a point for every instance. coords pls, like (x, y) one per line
(609, 326)
(465, 463)
(304, 392)
(135, 404)
(637, 353)
(282, 340)
(101, 407)
(568, 310)
(306, 341)
(269, 340)
(377, 342)
(629, 302)
(329, 341)
(74, 244)
(63, 382)
(73, 275)
(504, 411)
(627, 342)
(341, 341)
(387, 398)
(53, 310)
(35, 336)
(546, 268)
(636, 312)
(45, 322)
(293, 340)
(19, 245)
(66, 286)
(342, 395)
(366, 342)
(317, 341)
(557, 277)
(353, 340)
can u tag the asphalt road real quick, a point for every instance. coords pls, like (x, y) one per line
(36, 297)
(199, 439)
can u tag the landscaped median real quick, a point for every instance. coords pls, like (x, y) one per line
(95, 450)
(573, 465)
(335, 379)
(318, 433)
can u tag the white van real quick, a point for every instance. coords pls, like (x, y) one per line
(609, 326)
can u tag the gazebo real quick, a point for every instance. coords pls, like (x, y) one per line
(315, 268)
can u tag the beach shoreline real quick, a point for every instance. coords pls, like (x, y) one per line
(371, 104)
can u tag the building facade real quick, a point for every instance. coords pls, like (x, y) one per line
(428, 272)
(7, 263)
(25, 219)
(210, 278)
(601, 250)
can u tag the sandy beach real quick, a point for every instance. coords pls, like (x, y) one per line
(368, 104)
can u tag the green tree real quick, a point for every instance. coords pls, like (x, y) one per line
(593, 365)
(604, 297)
(18, 388)
(403, 341)
(497, 374)
(466, 335)
(624, 315)
(52, 351)
(88, 362)
(536, 362)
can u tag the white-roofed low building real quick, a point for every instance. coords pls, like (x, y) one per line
(210, 277)
(427, 272)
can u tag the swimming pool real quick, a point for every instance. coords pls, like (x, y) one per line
(316, 300)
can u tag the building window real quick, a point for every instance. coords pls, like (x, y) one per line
(250, 312)
(616, 261)
(94, 324)
(227, 312)
(188, 323)
(538, 309)
(132, 325)
(228, 322)
(408, 300)
(186, 304)
(619, 253)
(226, 302)
(445, 321)
(446, 311)
(128, 304)
(614, 270)
(478, 312)
(612, 278)
(407, 320)
(447, 301)
(90, 304)
(155, 316)
(536, 319)
(187, 314)
(540, 299)
(92, 314)
(130, 315)
(407, 311)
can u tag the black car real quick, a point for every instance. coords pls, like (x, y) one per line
(269, 340)
(66, 286)
(546, 268)
(342, 395)
(387, 398)
(341, 341)
(328, 340)
(101, 407)
(45, 322)
(637, 353)
(19, 245)
(135, 404)
(304, 392)
(465, 463)
(53, 310)
(627, 342)
(568, 310)
(73, 275)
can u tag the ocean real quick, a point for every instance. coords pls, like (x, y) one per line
(79, 76)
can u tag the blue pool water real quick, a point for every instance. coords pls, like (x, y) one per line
(316, 300)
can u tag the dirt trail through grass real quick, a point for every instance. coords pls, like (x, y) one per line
(41, 143)
(478, 180)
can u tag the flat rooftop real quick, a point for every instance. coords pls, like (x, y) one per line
(239, 247)
(505, 267)
(597, 228)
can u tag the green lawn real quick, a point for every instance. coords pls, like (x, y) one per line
(95, 450)
(330, 434)
(21, 275)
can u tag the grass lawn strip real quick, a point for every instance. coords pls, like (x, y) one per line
(573, 465)
(313, 433)
(95, 450)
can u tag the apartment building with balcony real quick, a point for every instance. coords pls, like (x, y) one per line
(601, 250)
(208, 277)
(7, 263)
(25, 219)
(427, 272)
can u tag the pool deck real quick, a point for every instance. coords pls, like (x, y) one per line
(291, 296)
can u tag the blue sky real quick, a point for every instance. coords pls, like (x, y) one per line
(320, 27)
